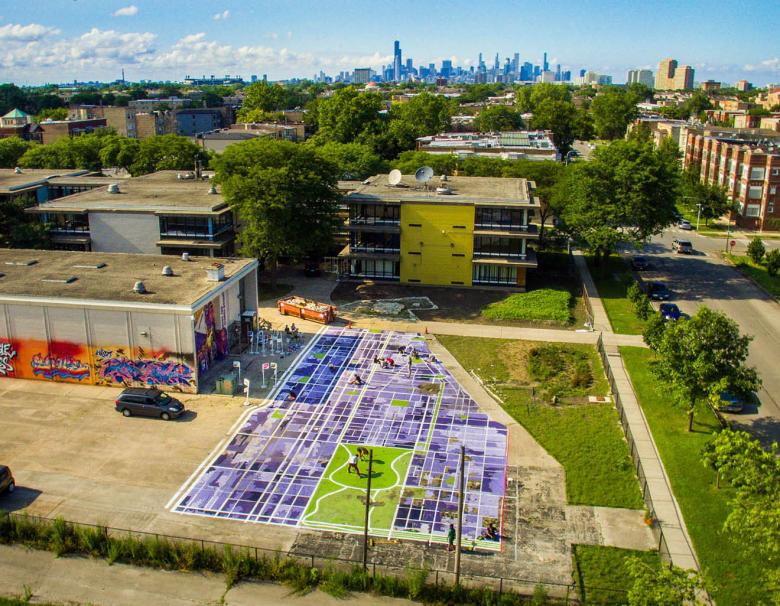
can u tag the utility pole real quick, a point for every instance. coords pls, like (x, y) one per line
(461, 493)
(368, 508)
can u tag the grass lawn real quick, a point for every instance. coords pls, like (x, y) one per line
(612, 279)
(601, 573)
(736, 575)
(546, 304)
(339, 500)
(585, 439)
(758, 273)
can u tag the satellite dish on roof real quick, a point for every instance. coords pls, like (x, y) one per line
(394, 178)
(423, 174)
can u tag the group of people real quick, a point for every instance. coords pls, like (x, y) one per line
(352, 462)
(490, 534)
(292, 332)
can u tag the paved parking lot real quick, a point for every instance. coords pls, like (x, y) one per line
(74, 456)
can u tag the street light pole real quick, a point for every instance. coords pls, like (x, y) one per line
(698, 216)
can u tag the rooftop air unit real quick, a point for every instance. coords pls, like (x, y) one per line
(139, 288)
(167, 270)
(113, 188)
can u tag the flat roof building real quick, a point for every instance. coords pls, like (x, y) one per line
(453, 231)
(167, 212)
(119, 319)
(508, 145)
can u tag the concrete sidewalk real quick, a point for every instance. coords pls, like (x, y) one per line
(77, 580)
(600, 318)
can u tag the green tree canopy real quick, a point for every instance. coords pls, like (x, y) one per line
(350, 116)
(561, 118)
(528, 98)
(166, 152)
(285, 195)
(53, 113)
(425, 114)
(612, 112)
(626, 193)
(702, 356)
(354, 160)
(499, 118)
(11, 149)
(264, 97)
(711, 198)
(662, 585)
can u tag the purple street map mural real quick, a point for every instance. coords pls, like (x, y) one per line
(287, 462)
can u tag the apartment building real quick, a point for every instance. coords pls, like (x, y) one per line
(54, 130)
(640, 76)
(747, 164)
(167, 212)
(509, 145)
(671, 76)
(452, 231)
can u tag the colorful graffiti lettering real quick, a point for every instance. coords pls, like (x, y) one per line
(149, 372)
(211, 342)
(7, 355)
(53, 366)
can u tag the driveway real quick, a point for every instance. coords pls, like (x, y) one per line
(704, 278)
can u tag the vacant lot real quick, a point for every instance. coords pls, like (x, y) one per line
(585, 438)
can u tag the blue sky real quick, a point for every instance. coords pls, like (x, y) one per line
(59, 40)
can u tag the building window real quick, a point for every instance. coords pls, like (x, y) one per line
(411, 252)
(775, 172)
(756, 174)
(455, 282)
(755, 193)
(753, 210)
(458, 227)
(496, 246)
(494, 274)
(415, 225)
(373, 242)
(374, 214)
(458, 255)
(374, 268)
(499, 218)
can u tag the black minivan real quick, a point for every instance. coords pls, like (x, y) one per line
(148, 402)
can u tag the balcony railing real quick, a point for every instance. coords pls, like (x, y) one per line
(70, 229)
(505, 255)
(370, 248)
(373, 221)
(529, 228)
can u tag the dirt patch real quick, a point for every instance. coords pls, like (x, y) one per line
(515, 358)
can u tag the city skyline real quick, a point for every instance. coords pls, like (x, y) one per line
(92, 40)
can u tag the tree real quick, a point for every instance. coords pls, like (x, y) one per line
(11, 149)
(19, 229)
(425, 114)
(756, 250)
(54, 113)
(285, 195)
(119, 152)
(354, 160)
(350, 116)
(264, 97)
(498, 118)
(661, 585)
(167, 152)
(561, 118)
(409, 161)
(612, 112)
(772, 260)
(626, 193)
(709, 201)
(701, 355)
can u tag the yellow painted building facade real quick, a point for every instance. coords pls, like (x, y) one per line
(437, 244)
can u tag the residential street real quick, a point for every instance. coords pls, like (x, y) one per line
(704, 278)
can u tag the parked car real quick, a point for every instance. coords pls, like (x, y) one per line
(683, 247)
(639, 263)
(148, 402)
(657, 291)
(670, 311)
(7, 482)
(685, 225)
(729, 402)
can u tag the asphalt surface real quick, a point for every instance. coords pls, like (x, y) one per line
(704, 278)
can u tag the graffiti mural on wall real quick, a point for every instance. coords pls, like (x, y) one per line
(211, 341)
(114, 366)
(53, 366)
(7, 355)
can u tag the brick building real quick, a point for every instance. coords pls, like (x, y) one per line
(747, 164)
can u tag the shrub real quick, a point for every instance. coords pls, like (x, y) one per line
(634, 292)
(756, 250)
(642, 307)
(546, 362)
(773, 262)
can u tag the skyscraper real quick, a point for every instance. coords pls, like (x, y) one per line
(446, 68)
(670, 76)
(397, 61)
(545, 65)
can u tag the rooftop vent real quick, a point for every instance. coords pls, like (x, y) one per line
(212, 190)
(59, 280)
(18, 170)
(90, 266)
(215, 273)
(444, 190)
(113, 188)
(185, 256)
(26, 263)
(139, 288)
(185, 176)
(167, 270)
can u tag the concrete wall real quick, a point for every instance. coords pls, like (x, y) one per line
(444, 241)
(124, 232)
(100, 346)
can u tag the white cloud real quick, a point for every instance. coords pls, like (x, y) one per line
(33, 32)
(221, 16)
(289, 35)
(271, 35)
(769, 65)
(126, 11)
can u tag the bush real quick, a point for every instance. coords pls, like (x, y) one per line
(560, 369)
(756, 250)
(773, 262)
(642, 307)
(634, 292)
